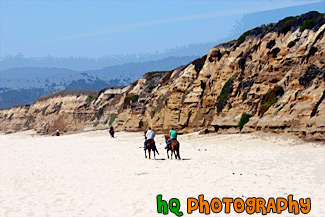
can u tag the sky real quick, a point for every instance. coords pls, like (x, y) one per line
(63, 28)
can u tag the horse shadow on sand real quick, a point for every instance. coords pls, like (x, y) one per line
(172, 159)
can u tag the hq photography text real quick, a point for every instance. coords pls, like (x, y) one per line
(227, 205)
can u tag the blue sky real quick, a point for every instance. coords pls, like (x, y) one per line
(99, 28)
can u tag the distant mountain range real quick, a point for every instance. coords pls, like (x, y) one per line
(26, 84)
(87, 63)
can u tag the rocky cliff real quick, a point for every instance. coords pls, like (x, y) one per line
(272, 78)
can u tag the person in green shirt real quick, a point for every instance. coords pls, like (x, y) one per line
(173, 136)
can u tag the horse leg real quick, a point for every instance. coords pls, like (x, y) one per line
(179, 157)
(145, 153)
(149, 152)
(154, 154)
(167, 154)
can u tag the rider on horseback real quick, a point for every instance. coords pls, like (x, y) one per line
(173, 136)
(150, 135)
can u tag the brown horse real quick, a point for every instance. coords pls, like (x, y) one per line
(150, 147)
(174, 147)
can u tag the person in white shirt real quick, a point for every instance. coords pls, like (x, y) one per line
(150, 134)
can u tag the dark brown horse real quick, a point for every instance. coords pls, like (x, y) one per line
(174, 147)
(150, 146)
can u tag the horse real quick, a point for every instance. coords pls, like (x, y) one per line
(150, 147)
(173, 146)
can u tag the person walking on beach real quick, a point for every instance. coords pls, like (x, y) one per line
(111, 131)
(173, 136)
(150, 135)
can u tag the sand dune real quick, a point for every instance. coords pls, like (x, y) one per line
(91, 174)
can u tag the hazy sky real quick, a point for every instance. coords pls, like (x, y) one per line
(97, 28)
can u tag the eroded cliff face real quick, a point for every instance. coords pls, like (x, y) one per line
(69, 112)
(271, 79)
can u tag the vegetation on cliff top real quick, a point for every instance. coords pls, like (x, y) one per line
(256, 32)
(155, 73)
(311, 20)
(308, 24)
(89, 99)
(69, 93)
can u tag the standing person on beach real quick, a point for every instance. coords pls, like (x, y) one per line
(173, 136)
(57, 133)
(150, 134)
(111, 131)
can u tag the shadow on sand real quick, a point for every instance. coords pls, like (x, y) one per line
(172, 159)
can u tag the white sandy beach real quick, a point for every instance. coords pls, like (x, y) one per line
(91, 174)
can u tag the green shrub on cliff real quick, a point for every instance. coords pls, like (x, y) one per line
(291, 44)
(153, 112)
(243, 120)
(44, 109)
(135, 98)
(285, 25)
(90, 98)
(270, 98)
(308, 24)
(241, 38)
(29, 120)
(99, 113)
(150, 86)
(113, 117)
(224, 94)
